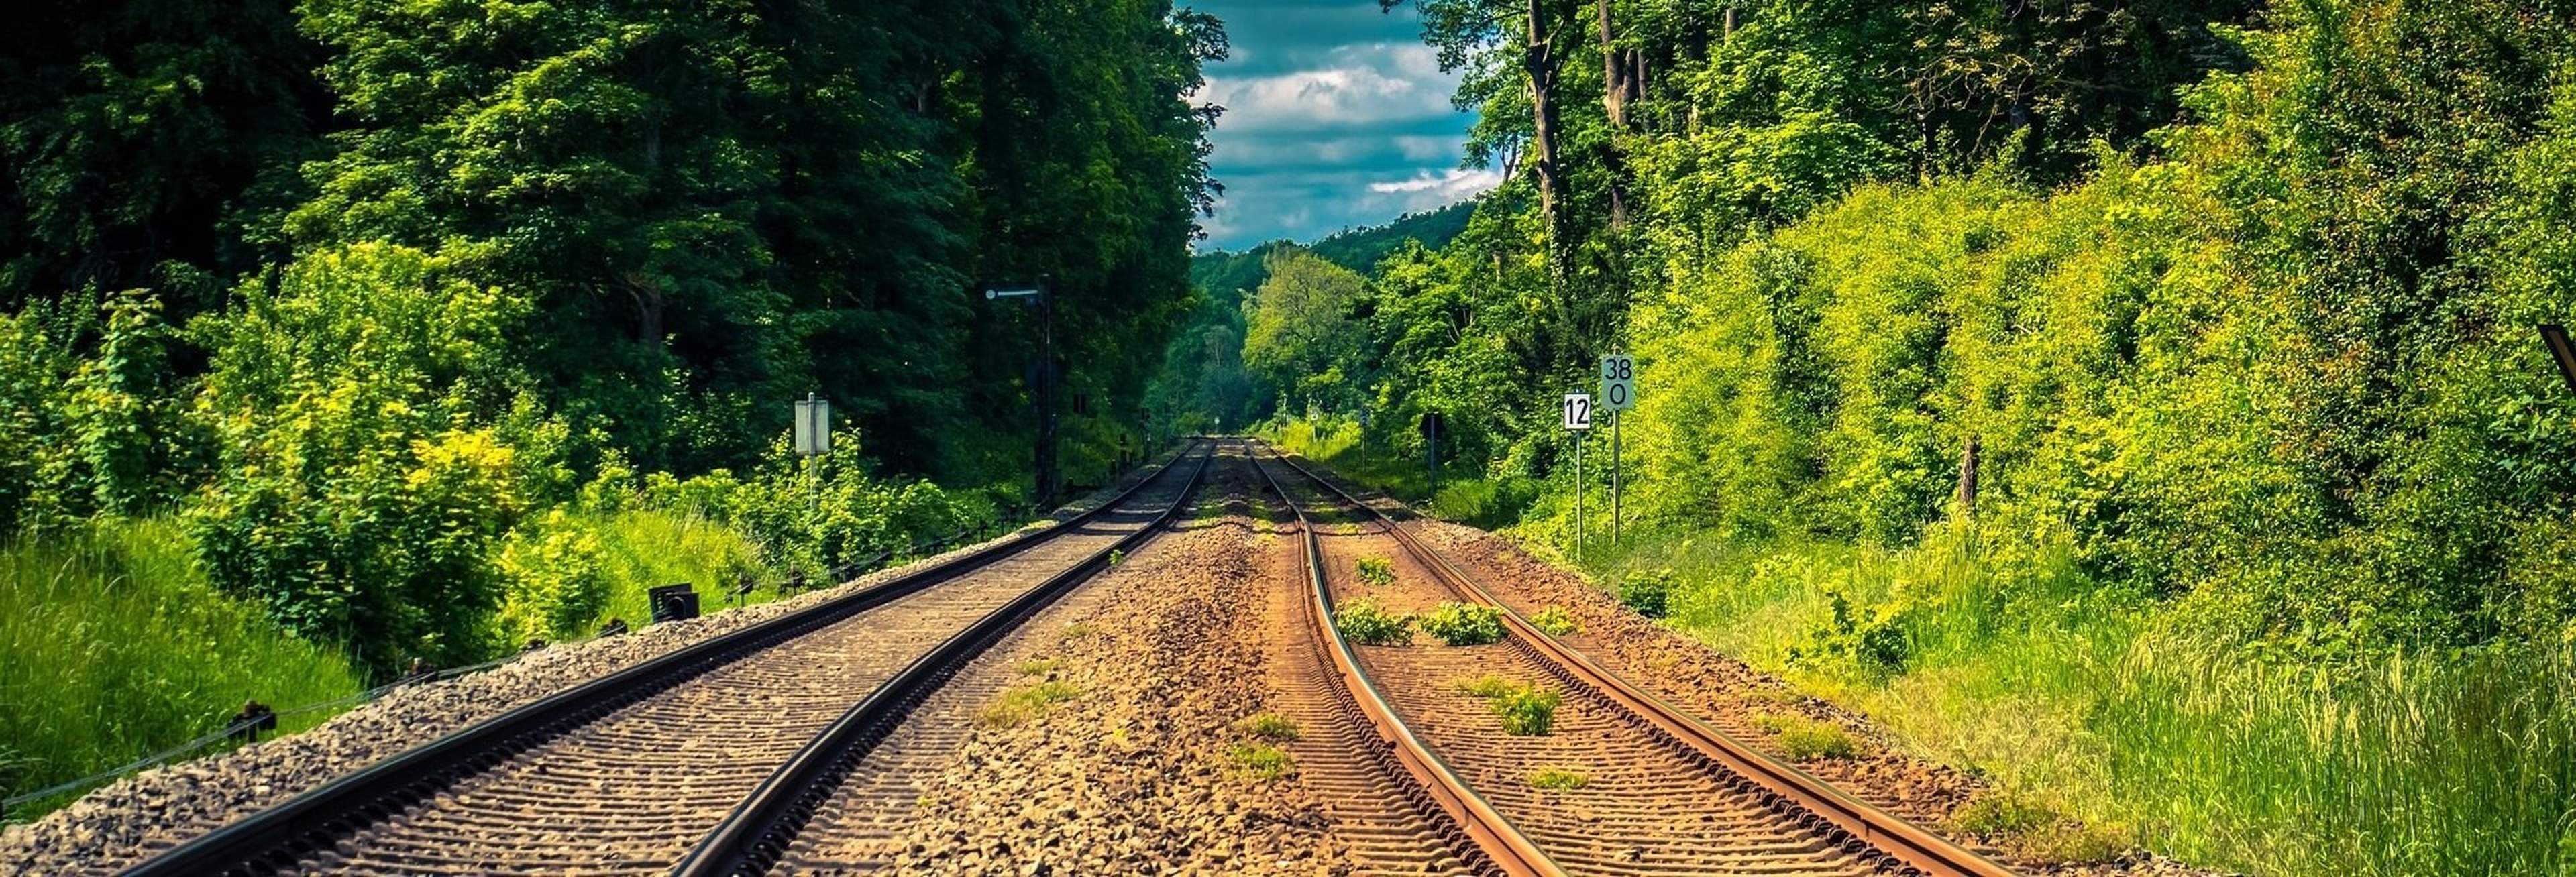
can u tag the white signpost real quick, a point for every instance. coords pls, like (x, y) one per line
(1578, 420)
(813, 426)
(1618, 393)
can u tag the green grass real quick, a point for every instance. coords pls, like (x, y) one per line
(1555, 621)
(1462, 496)
(1557, 779)
(1525, 710)
(645, 549)
(1022, 703)
(1260, 761)
(117, 647)
(1487, 686)
(2451, 763)
(1805, 739)
(1268, 726)
(1376, 571)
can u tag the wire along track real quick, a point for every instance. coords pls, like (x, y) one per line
(1662, 792)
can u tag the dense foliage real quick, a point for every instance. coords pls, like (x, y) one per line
(402, 307)
(2229, 314)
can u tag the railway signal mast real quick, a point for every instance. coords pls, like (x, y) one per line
(1037, 296)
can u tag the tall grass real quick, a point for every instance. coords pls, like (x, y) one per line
(2425, 764)
(1464, 494)
(114, 646)
(642, 549)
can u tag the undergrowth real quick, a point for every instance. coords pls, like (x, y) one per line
(117, 646)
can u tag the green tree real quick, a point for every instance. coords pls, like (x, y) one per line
(1306, 334)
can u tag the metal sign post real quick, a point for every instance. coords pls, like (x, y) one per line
(1578, 420)
(1618, 393)
(813, 438)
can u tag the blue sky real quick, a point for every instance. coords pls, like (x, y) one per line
(1336, 116)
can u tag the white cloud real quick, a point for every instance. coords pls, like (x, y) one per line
(1365, 84)
(1455, 184)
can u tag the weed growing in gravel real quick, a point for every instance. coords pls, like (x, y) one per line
(1377, 571)
(1366, 623)
(1025, 702)
(1260, 761)
(1557, 779)
(1459, 624)
(1805, 739)
(1037, 667)
(1528, 712)
(1268, 726)
(1117, 556)
(1487, 686)
(1078, 630)
(2031, 829)
(1555, 621)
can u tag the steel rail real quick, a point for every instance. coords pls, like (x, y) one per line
(1901, 840)
(753, 837)
(270, 839)
(1504, 845)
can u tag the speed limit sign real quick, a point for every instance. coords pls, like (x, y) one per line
(1618, 382)
(1578, 411)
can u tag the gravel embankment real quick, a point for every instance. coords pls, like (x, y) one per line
(1131, 776)
(122, 822)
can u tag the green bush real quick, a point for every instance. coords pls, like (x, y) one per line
(1647, 593)
(1363, 621)
(375, 448)
(557, 583)
(1875, 644)
(1461, 624)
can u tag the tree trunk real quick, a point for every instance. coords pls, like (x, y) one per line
(1538, 60)
(1619, 87)
(649, 306)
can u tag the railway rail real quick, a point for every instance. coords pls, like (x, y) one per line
(1672, 794)
(670, 759)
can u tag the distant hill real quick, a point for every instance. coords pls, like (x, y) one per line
(1358, 249)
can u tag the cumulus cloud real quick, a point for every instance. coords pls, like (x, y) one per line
(1329, 103)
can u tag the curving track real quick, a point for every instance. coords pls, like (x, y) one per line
(1666, 794)
(631, 787)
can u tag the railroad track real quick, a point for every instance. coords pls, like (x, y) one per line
(675, 758)
(1666, 793)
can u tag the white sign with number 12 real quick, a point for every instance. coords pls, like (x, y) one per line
(1578, 411)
